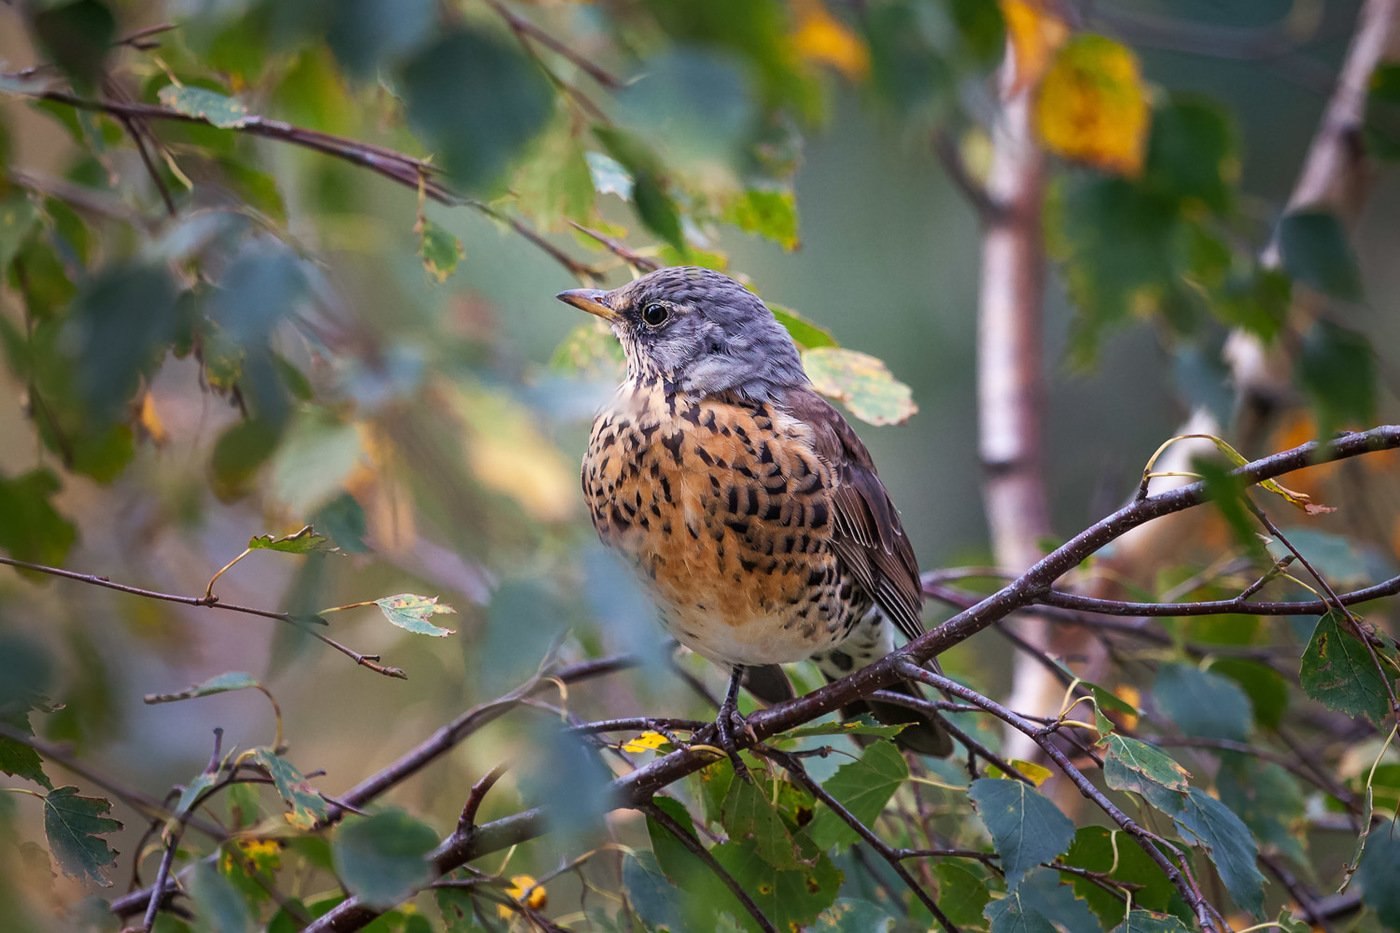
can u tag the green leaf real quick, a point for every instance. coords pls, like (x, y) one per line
(696, 106)
(655, 899)
(221, 908)
(316, 458)
(1039, 905)
(74, 826)
(791, 899)
(1130, 765)
(411, 613)
(1226, 492)
(770, 213)
(76, 36)
(1025, 826)
(219, 109)
(1382, 125)
(963, 891)
(238, 454)
(1114, 854)
(1265, 687)
(849, 915)
(1380, 866)
(1204, 820)
(1338, 672)
(648, 191)
(1192, 153)
(304, 541)
(1315, 251)
(305, 807)
(861, 382)
(853, 727)
(1148, 921)
(1269, 801)
(441, 250)
(223, 683)
(368, 34)
(16, 758)
(863, 787)
(17, 218)
(383, 859)
(190, 795)
(475, 133)
(750, 817)
(343, 521)
(1202, 703)
(32, 529)
(807, 334)
(121, 322)
(1338, 371)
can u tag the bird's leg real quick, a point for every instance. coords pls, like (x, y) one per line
(730, 719)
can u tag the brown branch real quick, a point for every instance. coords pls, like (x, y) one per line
(302, 622)
(1061, 599)
(637, 787)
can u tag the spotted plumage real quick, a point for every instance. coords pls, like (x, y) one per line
(747, 504)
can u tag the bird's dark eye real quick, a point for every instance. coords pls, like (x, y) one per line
(655, 314)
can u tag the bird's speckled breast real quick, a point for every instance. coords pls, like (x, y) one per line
(726, 512)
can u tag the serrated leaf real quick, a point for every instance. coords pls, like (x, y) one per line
(863, 787)
(1202, 703)
(791, 899)
(305, 541)
(1039, 905)
(18, 759)
(1315, 251)
(411, 613)
(219, 109)
(1092, 105)
(750, 817)
(806, 334)
(1337, 671)
(861, 382)
(223, 683)
(305, 807)
(651, 894)
(440, 249)
(383, 859)
(1026, 828)
(1204, 820)
(74, 826)
(1129, 763)
(963, 891)
(1268, 799)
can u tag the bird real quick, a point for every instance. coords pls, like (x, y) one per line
(746, 503)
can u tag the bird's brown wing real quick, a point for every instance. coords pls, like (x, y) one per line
(867, 535)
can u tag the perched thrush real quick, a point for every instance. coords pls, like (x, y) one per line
(751, 510)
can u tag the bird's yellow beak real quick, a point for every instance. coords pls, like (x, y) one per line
(590, 300)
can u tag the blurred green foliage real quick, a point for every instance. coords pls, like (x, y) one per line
(218, 324)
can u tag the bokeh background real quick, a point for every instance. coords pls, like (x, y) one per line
(474, 498)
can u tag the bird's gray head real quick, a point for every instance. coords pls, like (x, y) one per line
(699, 330)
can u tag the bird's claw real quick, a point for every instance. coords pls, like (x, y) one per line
(727, 724)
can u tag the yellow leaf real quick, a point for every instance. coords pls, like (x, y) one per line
(149, 423)
(1092, 105)
(519, 884)
(646, 742)
(824, 39)
(1034, 32)
(860, 381)
(510, 454)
